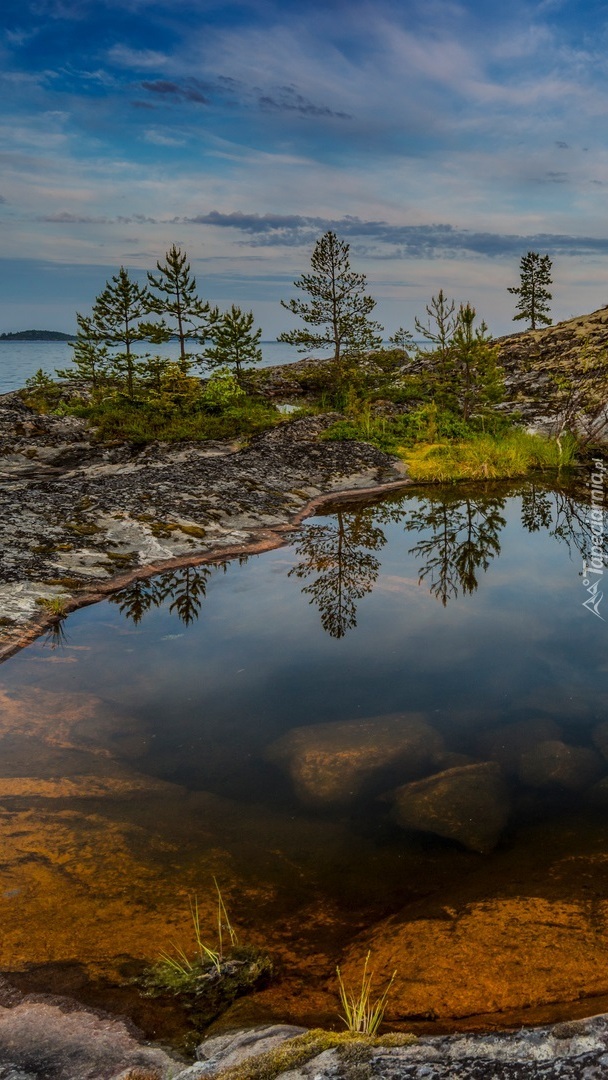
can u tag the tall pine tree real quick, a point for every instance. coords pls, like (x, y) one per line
(190, 318)
(337, 310)
(534, 296)
(116, 323)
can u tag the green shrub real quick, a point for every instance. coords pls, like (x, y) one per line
(41, 392)
(118, 419)
(222, 390)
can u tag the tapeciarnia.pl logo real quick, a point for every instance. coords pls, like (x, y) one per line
(593, 571)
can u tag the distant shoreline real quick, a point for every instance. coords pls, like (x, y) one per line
(37, 335)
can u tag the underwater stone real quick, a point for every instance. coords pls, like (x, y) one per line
(600, 738)
(469, 804)
(555, 763)
(335, 763)
(507, 742)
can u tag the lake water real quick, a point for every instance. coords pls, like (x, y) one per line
(168, 735)
(21, 359)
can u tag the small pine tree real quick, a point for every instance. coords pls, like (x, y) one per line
(439, 330)
(116, 321)
(534, 296)
(402, 340)
(338, 305)
(234, 341)
(478, 379)
(90, 360)
(190, 317)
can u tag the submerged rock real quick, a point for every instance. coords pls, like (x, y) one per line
(600, 738)
(555, 763)
(336, 762)
(487, 956)
(507, 742)
(469, 804)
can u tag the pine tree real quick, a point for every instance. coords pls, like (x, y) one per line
(439, 330)
(338, 305)
(402, 340)
(117, 322)
(478, 379)
(234, 341)
(533, 303)
(90, 360)
(190, 317)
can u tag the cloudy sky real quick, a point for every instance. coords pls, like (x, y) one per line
(442, 140)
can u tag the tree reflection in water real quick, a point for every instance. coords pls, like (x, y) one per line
(341, 554)
(463, 539)
(459, 535)
(185, 589)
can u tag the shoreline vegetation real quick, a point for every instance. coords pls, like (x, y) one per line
(459, 408)
(447, 408)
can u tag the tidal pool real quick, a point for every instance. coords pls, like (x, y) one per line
(389, 735)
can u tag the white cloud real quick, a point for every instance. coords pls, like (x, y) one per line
(161, 138)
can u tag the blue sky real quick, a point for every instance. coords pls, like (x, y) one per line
(441, 139)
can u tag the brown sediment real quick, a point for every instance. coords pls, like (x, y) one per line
(267, 539)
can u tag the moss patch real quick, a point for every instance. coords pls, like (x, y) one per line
(205, 989)
(293, 1053)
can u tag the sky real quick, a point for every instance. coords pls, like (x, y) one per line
(441, 140)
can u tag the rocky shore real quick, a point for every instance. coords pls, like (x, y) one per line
(79, 519)
(42, 1036)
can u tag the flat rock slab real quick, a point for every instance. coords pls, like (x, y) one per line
(89, 514)
(567, 1051)
(489, 956)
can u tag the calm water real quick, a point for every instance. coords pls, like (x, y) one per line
(140, 750)
(21, 359)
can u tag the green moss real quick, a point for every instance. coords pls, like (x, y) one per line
(122, 558)
(83, 528)
(293, 1053)
(66, 582)
(193, 530)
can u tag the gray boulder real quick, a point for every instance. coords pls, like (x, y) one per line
(469, 804)
(576, 1050)
(223, 1051)
(50, 1038)
(336, 762)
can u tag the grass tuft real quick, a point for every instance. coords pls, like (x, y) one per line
(54, 605)
(361, 1014)
(217, 973)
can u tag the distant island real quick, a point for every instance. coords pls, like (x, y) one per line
(38, 335)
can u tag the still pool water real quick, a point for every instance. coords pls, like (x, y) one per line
(230, 721)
